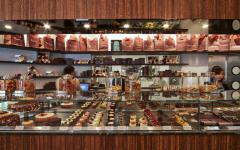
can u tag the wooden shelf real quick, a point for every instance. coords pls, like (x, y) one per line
(118, 52)
(12, 62)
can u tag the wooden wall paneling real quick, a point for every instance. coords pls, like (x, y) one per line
(221, 9)
(166, 9)
(186, 9)
(100, 9)
(196, 9)
(121, 142)
(208, 9)
(59, 9)
(81, 8)
(139, 9)
(69, 9)
(233, 9)
(157, 8)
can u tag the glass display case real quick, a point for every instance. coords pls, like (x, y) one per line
(150, 83)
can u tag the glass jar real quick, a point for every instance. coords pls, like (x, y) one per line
(29, 87)
(204, 81)
(114, 83)
(67, 87)
(206, 85)
(190, 83)
(133, 84)
(9, 86)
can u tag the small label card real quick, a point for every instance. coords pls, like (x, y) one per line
(187, 128)
(63, 128)
(122, 128)
(211, 128)
(167, 128)
(77, 128)
(109, 128)
(19, 127)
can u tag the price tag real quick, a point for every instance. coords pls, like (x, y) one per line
(77, 128)
(134, 128)
(233, 128)
(41, 128)
(144, 128)
(122, 128)
(63, 128)
(19, 127)
(211, 128)
(110, 128)
(167, 128)
(187, 128)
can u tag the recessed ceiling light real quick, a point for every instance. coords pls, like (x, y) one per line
(205, 26)
(47, 26)
(126, 26)
(7, 26)
(86, 25)
(166, 26)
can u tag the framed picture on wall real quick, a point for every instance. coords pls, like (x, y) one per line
(116, 45)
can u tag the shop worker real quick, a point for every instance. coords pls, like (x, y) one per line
(218, 78)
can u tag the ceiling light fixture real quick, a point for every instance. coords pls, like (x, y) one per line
(126, 26)
(47, 26)
(7, 26)
(205, 26)
(166, 26)
(87, 26)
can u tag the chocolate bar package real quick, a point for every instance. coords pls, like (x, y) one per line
(82, 43)
(169, 42)
(92, 44)
(17, 39)
(127, 44)
(138, 44)
(158, 42)
(34, 41)
(202, 42)
(235, 42)
(103, 43)
(48, 42)
(60, 42)
(72, 43)
(148, 44)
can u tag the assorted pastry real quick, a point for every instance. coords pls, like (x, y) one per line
(83, 120)
(111, 117)
(96, 119)
(74, 118)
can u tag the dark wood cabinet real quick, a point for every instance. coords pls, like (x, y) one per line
(121, 142)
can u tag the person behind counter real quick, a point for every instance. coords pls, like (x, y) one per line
(68, 82)
(218, 78)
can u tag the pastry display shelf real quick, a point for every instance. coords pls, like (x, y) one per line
(117, 52)
(34, 63)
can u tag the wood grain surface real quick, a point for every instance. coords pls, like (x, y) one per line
(120, 142)
(119, 9)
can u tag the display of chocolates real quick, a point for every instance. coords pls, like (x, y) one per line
(9, 119)
(24, 106)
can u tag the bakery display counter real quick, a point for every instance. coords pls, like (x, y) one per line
(149, 112)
